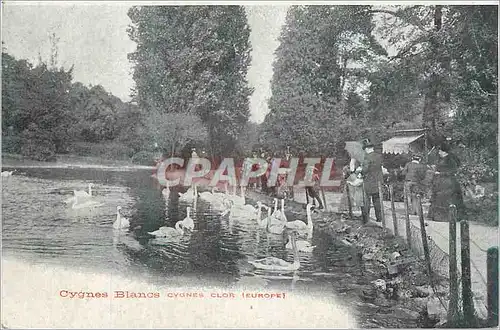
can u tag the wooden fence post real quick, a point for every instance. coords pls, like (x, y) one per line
(393, 210)
(453, 311)
(381, 198)
(467, 302)
(349, 205)
(492, 287)
(424, 237)
(407, 218)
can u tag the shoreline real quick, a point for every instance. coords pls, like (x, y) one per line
(71, 162)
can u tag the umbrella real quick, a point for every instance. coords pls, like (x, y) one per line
(355, 150)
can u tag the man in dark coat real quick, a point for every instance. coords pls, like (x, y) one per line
(372, 175)
(414, 173)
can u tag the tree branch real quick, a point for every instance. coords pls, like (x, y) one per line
(409, 47)
(398, 15)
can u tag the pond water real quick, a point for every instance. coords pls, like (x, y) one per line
(40, 228)
(38, 225)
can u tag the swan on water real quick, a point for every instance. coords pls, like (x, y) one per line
(7, 173)
(243, 211)
(276, 264)
(80, 203)
(302, 246)
(220, 195)
(190, 195)
(282, 215)
(278, 218)
(80, 194)
(188, 222)
(275, 211)
(300, 225)
(180, 227)
(223, 205)
(239, 200)
(207, 196)
(121, 222)
(263, 222)
(169, 231)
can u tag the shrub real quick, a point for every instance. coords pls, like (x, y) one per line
(483, 209)
(36, 144)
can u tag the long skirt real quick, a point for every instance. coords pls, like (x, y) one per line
(445, 191)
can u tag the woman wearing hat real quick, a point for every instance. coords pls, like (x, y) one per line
(445, 187)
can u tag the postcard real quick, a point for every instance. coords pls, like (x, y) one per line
(249, 165)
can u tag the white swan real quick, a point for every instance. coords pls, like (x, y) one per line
(239, 200)
(278, 218)
(243, 211)
(302, 246)
(207, 196)
(220, 195)
(80, 195)
(221, 205)
(169, 231)
(121, 222)
(190, 195)
(282, 215)
(276, 211)
(85, 203)
(188, 222)
(276, 264)
(300, 225)
(7, 173)
(263, 222)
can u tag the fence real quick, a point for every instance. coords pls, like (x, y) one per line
(461, 307)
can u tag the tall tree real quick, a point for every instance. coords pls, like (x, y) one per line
(194, 60)
(318, 63)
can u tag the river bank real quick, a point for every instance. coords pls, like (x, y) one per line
(70, 161)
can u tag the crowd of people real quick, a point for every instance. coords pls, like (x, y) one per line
(436, 181)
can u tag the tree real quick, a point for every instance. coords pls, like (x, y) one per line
(318, 63)
(194, 60)
(172, 131)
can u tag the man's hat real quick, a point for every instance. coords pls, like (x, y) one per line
(366, 143)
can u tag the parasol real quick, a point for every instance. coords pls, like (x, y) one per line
(355, 150)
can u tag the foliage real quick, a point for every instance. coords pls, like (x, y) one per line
(36, 101)
(314, 102)
(144, 158)
(42, 100)
(105, 150)
(194, 60)
(248, 140)
(37, 143)
(172, 131)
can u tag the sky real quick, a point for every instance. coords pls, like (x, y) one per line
(93, 38)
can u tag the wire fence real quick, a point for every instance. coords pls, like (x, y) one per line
(439, 258)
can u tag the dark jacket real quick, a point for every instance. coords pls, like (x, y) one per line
(372, 172)
(415, 172)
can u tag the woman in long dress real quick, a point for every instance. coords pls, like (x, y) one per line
(445, 187)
